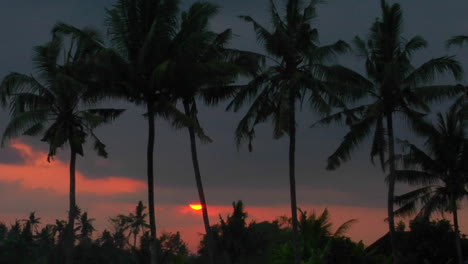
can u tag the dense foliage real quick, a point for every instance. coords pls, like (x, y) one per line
(237, 241)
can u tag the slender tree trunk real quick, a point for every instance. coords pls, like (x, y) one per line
(292, 175)
(134, 240)
(201, 193)
(457, 233)
(149, 164)
(391, 190)
(70, 233)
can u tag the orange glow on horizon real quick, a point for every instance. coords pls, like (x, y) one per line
(196, 207)
(36, 173)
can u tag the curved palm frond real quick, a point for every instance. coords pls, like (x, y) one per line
(428, 71)
(358, 132)
(457, 40)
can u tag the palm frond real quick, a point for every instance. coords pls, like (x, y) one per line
(379, 143)
(358, 132)
(414, 44)
(413, 177)
(428, 71)
(413, 196)
(457, 40)
(437, 92)
(344, 227)
(328, 53)
(96, 117)
(263, 35)
(23, 122)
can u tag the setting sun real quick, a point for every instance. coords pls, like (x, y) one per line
(196, 207)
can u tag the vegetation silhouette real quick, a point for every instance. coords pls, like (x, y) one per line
(161, 58)
(204, 68)
(144, 34)
(460, 102)
(52, 104)
(395, 86)
(297, 70)
(440, 172)
(237, 240)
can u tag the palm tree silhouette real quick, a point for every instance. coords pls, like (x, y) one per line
(440, 171)
(297, 71)
(138, 221)
(142, 32)
(394, 86)
(85, 225)
(52, 104)
(204, 68)
(149, 44)
(32, 222)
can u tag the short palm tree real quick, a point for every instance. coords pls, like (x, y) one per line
(316, 237)
(394, 86)
(440, 171)
(52, 104)
(33, 222)
(297, 71)
(138, 221)
(85, 225)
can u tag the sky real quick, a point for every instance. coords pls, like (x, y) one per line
(107, 187)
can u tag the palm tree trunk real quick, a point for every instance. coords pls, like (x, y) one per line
(149, 164)
(70, 238)
(134, 240)
(292, 175)
(201, 193)
(457, 233)
(391, 189)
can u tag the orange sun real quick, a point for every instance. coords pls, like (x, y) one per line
(196, 207)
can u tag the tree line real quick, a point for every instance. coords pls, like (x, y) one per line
(127, 241)
(160, 58)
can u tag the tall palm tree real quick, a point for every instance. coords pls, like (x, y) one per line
(52, 104)
(297, 71)
(440, 170)
(204, 68)
(145, 36)
(394, 86)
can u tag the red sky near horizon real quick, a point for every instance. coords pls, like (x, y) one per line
(37, 185)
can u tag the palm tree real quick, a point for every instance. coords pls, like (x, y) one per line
(440, 171)
(142, 32)
(297, 71)
(204, 68)
(121, 224)
(85, 225)
(52, 103)
(138, 221)
(33, 222)
(316, 237)
(148, 42)
(394, 86)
